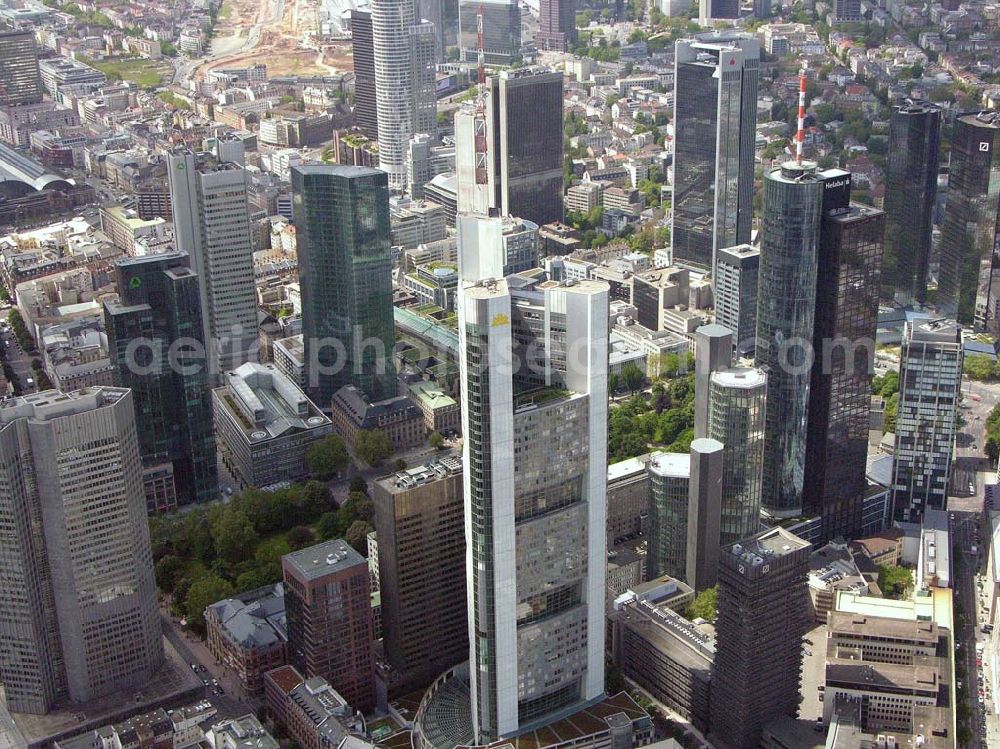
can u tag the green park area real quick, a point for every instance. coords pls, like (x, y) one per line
(141, 71)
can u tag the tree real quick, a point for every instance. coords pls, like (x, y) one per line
(329, 526)
(357, 536)
(167, 571)
(357, 507)
(204, 592)
(670, 364)
(372, 446)
(327, 457)
(705, 604)
(234, 536)
(358, 484)
(895, 582)
(300, 537)
(614, 382)
(436, 440)
(978, 367)
(633, 377)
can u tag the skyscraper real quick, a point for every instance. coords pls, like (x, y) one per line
(157, 310)
(789, 256)
(329, 613)
(763, 614)
(362, 49)
(535, 485)
(969, 278)
(844, 328)
(715, 120)
(735, 288)
(402, 102)
(501, 25)
(208, 199)
(713, 351)
(345, 266)
(509, 158)
(910, 193)
(737, 400)
(667, 521)
(704, 513)
(420, 528)
(710, 10)
(80, 615)
(20, 80)
(930, 379)
(557, 25)
(846, 11)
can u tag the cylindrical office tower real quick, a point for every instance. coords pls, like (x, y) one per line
(736, 419)
(790, 223)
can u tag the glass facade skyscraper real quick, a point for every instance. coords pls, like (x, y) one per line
(667, 523)
(345, 267)
(158, 308)
(789, 256)
(844, 329)
(910, 192)
(969, 278)
(715, 120)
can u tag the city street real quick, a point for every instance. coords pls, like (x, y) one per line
(19, 361)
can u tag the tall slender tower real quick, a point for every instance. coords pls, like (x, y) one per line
(930, 379)
(557, 25)
(159, 307)
(910, 192)
(345, 263)
(715, 120)
(789, 257)
(535, 485)
(362, 48)
(968, 287)
(208, 199)
(401, 104)
(844, 328)
(80, 615)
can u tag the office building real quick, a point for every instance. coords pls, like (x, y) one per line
(713, 352)
(345, 266)
(266, 425)
(81, 619)
(846, 11)
(246, 634)
(159, 305)
(628, 499)
(844, 328)
(363, 52)
(910, 193)
(20, 80)
(713, 154)
(313, 713)
(420, 529)
(710, 10)
(789, 258)
(535, 473)
(930, 380)
(704, 513)
(508, 158)
(661, 651)
(557, 25)
(208, 199)
(969, 276)
(656, 291)
(763, 614)
(667, 522)
(402, 50)
(737, 400)
(329, 615)
(501, 30)
(735, 288)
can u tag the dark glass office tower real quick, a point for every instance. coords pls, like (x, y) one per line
(910, 192)
(501, 30)
(156, 341)
(846, 319)
(763, 616)
(365, 112)
(789, 257)
(969, 279)
(557, 25)
(345, 267)
(20, 80)
(715, 95)
(713, 9)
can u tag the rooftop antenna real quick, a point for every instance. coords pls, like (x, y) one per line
(800, 135)
(481, 139)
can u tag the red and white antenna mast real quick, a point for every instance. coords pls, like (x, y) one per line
(800, 134)
(481, 139)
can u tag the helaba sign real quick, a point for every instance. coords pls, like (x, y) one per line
(838, 183)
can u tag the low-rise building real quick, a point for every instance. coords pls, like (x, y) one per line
(441, 412)
(247, 634)
(157, 729)
(398, 417)
(289, 357)
(313, 712)
(75, 354)
(124, 225)
(265, 425)
(240, 733)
